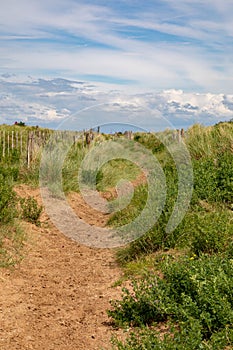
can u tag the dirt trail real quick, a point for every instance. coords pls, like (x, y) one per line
(57, 297)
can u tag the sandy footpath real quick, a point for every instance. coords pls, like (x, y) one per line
(58, 295)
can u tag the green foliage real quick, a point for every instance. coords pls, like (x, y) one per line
(213, 178)
(187, 337)
(210, 232)
(7, 200)
(89, 178)
(194, 294)
(192, 299)
(201, 231)
(206, 179)
(11, 159)
(30, 210)
(225, 176)
(157, 237)
(11, 235)
(213, 183)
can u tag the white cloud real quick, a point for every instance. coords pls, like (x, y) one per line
(199, 103)
(81, 105)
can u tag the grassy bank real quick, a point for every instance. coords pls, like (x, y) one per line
(14, 170)
(181, 293)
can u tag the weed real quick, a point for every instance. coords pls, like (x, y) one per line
(30, 210)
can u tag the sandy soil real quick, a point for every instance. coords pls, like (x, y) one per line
(57, 297)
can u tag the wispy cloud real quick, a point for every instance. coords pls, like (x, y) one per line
(164, 45)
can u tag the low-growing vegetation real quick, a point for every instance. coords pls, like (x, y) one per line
(13, 166)
(183, 301)
(193, 296)
(30, 210)
(11, 234)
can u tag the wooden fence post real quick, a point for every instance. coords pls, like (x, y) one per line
(12, 139)
(8, 143)
(4, 144)
(29, 148)
(21, 142)
(17, 140)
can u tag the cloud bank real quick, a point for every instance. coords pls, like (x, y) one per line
(71, 104)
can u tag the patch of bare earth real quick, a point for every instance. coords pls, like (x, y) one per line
(57, 297)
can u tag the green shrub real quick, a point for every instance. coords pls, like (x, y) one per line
(88, 177)
(30, 210)
(210, 232)
(213, 178)
(187, 337)
(206, 179)
(225, 176)
(192, 292)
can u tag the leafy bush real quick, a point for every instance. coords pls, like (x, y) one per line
(88, 177)
(213, 178)
(193, 292)
(206, 179)
(194, 298)
(30, 210)
(210, 232)
(225, 176)
(187, 337)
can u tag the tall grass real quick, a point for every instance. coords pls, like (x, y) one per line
(192, 301)
(212, 159)
(209, 141)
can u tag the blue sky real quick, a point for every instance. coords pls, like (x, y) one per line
(130, 46)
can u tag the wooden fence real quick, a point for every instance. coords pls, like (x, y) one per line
(26, 143)
(30, 142)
